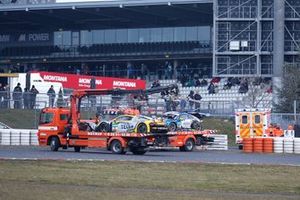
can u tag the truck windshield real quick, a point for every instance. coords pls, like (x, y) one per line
(46, 118)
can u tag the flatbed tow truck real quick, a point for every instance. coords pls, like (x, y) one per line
(63, 128)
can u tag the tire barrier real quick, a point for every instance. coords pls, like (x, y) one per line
(268, 145)
(297, 145)
(29, 137)
(248, 145)
(18, 137)
(258, 145)
(278, 145)
(288, 145)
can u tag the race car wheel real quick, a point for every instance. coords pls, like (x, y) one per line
(116, 147)
(196, 126)
(142, 128)
(77, 149)
(54, 144)
(172, 127)
(188, 146)
(137, 151)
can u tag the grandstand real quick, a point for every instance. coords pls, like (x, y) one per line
(208, 38)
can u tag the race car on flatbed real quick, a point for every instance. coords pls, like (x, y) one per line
(178, 121)
(133, 123)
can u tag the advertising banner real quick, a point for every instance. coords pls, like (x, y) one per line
(74, 81)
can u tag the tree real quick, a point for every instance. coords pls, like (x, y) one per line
(257, 94)
(290, 89)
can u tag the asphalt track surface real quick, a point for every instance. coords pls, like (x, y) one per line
(232, 156)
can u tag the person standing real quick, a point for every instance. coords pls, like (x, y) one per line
(17, 96)
(26, 98)
(197, 98)
(33, 93)
(190, 98)
(2, 93)
(51, 95)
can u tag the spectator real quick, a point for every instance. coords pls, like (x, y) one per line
(2, 93)
(190, 99)
(203, 83)
(228, 84)
(197, 83)
(243, 87)
(182, 104)
(211, 88)
(215, 80)
(33, 93)
(51, 95)
(197, 98)
(17, 96)
(26, 98)
(6, 97)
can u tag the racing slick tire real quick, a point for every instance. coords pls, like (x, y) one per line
(142, 128)
(196, 126)
(172, 127)
(116, 147)
(188, 146)
(54, 144)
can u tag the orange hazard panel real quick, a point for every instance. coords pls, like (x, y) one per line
(257, 124)
(245, 126)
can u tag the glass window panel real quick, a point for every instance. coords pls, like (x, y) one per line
(98, 36)
(204, 33)
(86, 38)
(144, 35)
(122, 36)
(156, 34)
(110, 36)
(179, 34)
(191, 34)
(133, 35)
(168, 34)
(58, 36)
(75, 38)
(66, 38)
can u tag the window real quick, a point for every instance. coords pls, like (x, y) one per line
(179, 34)
(156, 34)
(46, 118)
(110, 36)
(122, 36)
(124, 118)
(191, 34)
(244, 119)
(133, 35)
(257, 119)
(63, 117)
(144, 35)
(98, 36)
(168, 35)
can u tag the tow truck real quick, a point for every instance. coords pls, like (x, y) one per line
(64, 128)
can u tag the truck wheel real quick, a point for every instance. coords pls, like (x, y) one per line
(142, 128)
(54, 144)
(188, 146)
(137, 151)
(172, 127)
(116, 147)
(196, 126)
(77, 149)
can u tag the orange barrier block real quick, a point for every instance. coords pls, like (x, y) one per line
(248, 145)
(268, 145)
(258, 145)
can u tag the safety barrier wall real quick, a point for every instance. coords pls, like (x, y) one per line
(29, 137)
(18, 137)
